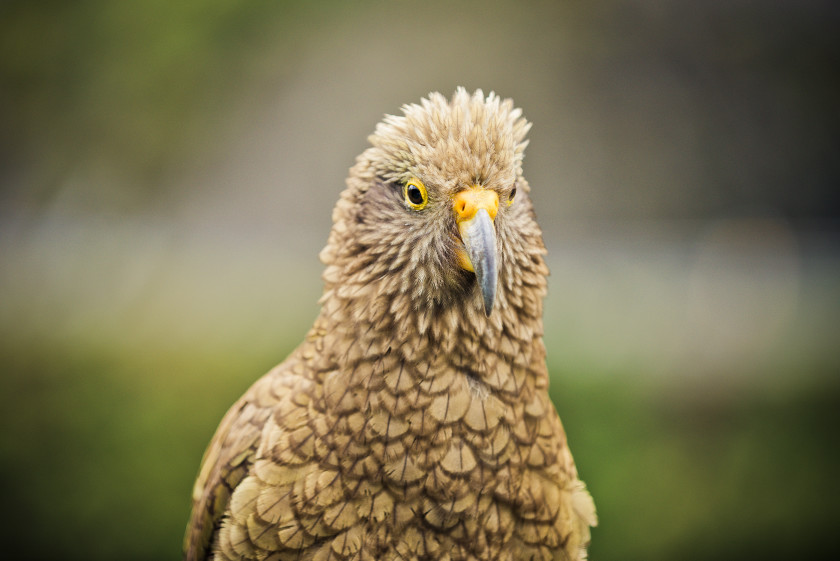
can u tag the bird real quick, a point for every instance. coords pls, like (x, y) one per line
(413, 422)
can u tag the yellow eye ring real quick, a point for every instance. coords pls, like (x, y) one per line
(415, 194)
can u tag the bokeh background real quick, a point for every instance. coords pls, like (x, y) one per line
(168, 170)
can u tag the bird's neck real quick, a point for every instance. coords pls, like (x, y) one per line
(500, 353)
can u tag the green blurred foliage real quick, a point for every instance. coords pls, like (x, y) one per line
(132, 87)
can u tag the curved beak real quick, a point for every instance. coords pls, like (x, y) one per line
(475, 210)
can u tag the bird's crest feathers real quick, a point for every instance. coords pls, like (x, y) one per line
(468, 139)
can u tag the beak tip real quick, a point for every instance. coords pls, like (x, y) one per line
(487, 286)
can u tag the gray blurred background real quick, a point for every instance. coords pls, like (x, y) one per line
(167, 174)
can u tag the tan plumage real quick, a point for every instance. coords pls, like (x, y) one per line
(410, 424)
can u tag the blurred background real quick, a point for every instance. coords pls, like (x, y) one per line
(167, 174)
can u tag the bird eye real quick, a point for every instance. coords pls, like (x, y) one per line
(415, 194)
(511, 196)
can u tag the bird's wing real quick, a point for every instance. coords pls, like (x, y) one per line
(226, 462)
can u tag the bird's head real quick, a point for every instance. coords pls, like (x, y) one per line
(436, 219)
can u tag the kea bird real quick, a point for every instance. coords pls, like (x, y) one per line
(413, 422)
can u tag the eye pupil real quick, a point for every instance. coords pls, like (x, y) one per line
(512, 193)
(414, 194)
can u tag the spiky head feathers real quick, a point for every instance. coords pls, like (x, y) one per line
(451, 144)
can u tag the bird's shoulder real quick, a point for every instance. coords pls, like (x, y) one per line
(232, 451)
